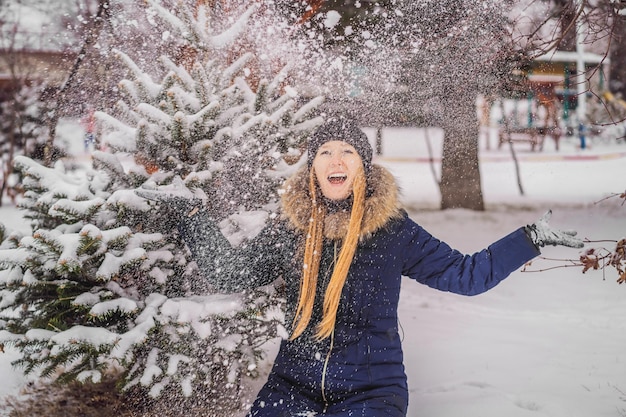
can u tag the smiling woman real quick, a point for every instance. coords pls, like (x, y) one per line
(336, 165)
(341, 246)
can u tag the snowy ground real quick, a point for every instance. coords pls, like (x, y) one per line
(546, 343)
(540, 344)
(549, 343)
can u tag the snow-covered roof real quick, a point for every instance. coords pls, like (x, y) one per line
(34, 25)
(545, 78)
(565, 56)
(33, 41)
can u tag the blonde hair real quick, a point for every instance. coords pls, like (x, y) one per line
(312, 256)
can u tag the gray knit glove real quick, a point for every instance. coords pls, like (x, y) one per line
(542, 234)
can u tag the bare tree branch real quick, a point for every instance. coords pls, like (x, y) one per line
(89, 40)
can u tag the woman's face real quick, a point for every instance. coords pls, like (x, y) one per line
(336, 164)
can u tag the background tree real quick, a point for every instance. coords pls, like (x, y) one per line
(424, 63)
(421, 63)
(22, 132)
(23, 102)
(82, 33)
(461, 54)
(566, 13)
(617, 57)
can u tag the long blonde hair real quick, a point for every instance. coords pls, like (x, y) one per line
(312, 256)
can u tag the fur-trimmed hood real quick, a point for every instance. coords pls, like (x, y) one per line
(381, 204)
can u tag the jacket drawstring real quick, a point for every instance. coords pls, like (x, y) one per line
(330, 349)
(332, 342)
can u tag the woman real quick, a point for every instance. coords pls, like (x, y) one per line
(341, 246)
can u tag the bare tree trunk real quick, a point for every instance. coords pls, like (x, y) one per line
(91, 37)
(617, 65)
(512, 149)
(18, 75)
(566, 11)
(460, 172)
(8, 169)
(431, 158)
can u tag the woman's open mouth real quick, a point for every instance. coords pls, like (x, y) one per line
(337, 179)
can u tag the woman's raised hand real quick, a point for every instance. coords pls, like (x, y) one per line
(542, 234)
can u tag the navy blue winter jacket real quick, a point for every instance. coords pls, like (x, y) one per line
(359, 371)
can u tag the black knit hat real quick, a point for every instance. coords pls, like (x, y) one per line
(343, 129)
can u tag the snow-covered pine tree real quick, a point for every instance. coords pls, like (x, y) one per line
(209, 130)
(72, 261)
(104, 279)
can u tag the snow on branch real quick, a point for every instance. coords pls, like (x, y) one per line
(282, 111)
(124, 305)
(54, 180)
(132, 338)
(207, 112)
(95, 336)
(182, 99)
(179, 71)
(227, 37)
(306, 110)
(153, 114)
(13, 257)
(194, 30)
(116, 124)
(75, 210)
(143, 80)
(229, 73)
(192, 309)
